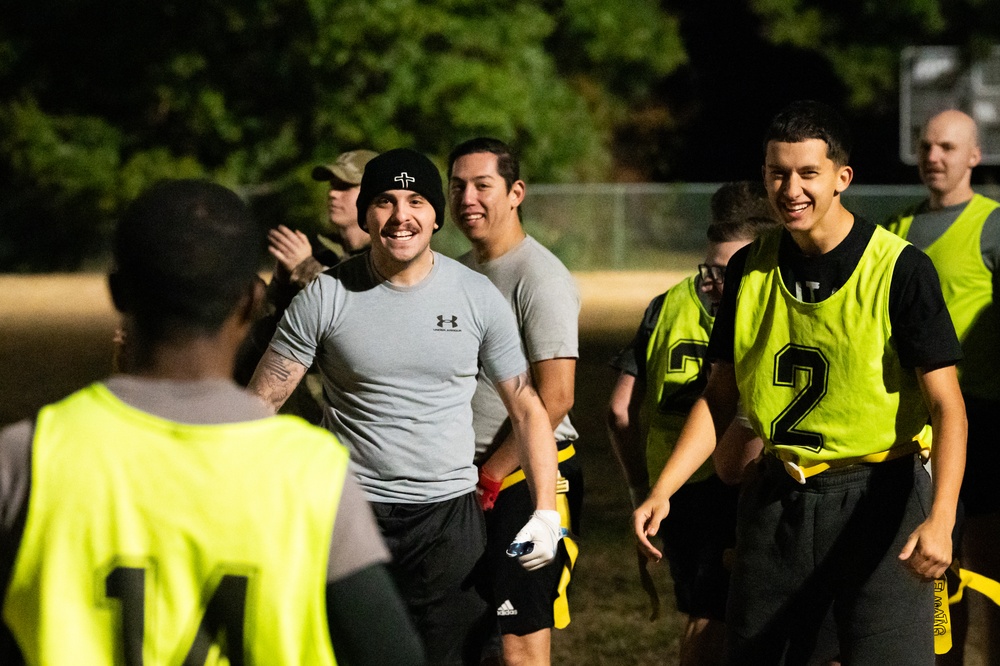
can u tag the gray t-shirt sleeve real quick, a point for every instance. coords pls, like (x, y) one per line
(357, 542)
(15, 475)
(305, 322)
(551, 310)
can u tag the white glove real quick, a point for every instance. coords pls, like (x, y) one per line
(543, 531)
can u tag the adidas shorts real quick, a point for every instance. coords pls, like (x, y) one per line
(526, 601)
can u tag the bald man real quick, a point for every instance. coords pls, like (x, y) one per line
(960, 231)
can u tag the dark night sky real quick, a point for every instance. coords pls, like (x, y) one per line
(732, 86)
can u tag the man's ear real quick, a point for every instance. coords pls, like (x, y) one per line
(976, 157)
(251, 306)
(516, 193)
(844, 178)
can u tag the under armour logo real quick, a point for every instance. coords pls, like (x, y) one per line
(453, 320)
(405, 179)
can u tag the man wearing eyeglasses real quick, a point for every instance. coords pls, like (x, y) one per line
(661, 374)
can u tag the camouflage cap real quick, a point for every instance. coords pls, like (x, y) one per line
(349, 167)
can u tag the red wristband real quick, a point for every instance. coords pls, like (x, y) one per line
(487, 490)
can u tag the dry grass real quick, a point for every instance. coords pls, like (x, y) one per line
(55, 336)
(55, 331)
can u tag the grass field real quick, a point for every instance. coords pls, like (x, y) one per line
(55, 336)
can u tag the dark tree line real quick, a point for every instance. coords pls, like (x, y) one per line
(99, 98)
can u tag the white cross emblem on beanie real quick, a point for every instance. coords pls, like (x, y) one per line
(405, 179)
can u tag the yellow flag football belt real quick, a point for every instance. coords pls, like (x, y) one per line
(942, 618)
(562, 485)
(800, 473)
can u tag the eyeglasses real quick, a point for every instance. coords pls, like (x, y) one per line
(712, 273)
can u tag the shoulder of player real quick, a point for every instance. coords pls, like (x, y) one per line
(352, 273)
(355, 263)
(910, 210)
(738, 262)
(14, 440)
(529, 259)
(652, 314)
(15, 468)
(992, 223)
(538, 268)
(913, 268)
(532, 248)
(455, 274)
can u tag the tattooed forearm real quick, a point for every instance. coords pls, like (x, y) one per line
(275, 379)
(277, 367)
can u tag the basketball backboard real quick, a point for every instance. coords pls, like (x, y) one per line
(936, 78)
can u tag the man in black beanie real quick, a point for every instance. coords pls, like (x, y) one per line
(399, 334)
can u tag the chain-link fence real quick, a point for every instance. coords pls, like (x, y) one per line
(645, 226)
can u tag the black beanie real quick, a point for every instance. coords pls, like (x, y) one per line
(401, 169)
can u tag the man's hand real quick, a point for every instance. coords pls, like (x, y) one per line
(927, 552)
(543, 531)
(646, 523)
(289, 248)
(487, 490)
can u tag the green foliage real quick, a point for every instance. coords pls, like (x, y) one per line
(862, 39)
(60, 169)
(103, 97)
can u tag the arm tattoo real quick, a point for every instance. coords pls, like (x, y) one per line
(275, 379)
(277, 367)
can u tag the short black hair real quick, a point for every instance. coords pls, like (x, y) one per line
(508, 164)
(185, 253)
(809, 119)
(740, 211)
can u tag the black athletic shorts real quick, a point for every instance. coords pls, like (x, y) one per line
(525, 600)
(828, 547)
(437, 564)
(699, 529)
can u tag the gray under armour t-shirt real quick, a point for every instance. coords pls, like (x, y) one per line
(399, 368)
(546, 303)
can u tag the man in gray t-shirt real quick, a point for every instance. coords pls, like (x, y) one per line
(399, 334)
(485, 192)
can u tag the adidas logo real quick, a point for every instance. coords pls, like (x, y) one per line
(507, 608)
